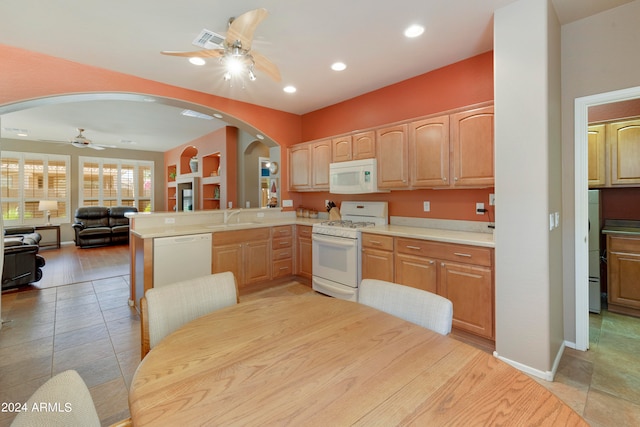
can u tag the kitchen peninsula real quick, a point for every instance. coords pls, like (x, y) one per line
(451, 258)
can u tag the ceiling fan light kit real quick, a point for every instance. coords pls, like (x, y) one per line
(234, 50)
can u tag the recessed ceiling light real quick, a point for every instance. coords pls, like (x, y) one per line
(259, 136)
(290, 89)
(414, 31)
(197, 61)
(217, 115)
(338, 66)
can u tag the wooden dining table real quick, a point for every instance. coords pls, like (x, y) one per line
(313, 360)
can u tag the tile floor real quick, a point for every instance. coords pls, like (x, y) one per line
(89, 327)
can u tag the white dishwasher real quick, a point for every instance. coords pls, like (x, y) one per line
(180, 258)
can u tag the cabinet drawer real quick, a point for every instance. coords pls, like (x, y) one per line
(282, 231)
(377, 241)
(282, 268)
(445, 251)
(285, 242)
(627, 244)
(304, 231)
(279, 254)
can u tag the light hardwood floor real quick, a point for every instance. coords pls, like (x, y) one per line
(77, 317)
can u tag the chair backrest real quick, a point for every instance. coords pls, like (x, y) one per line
(74, 407)
(411, 304)
(165, 309)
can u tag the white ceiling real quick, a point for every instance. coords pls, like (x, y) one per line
(302, 37)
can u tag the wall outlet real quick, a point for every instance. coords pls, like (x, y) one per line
(287, 203)
(426, 206)
(492, 199)
(230, 205)
(169, 220)
(260, 215)
(480, 208)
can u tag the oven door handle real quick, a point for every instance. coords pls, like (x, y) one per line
(334, 242)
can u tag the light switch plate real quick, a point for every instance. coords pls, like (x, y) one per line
(426, 206)
(492, 199)
(287, 203)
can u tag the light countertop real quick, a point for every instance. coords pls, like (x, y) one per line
(435, 234)
(628, 227)
(181, 230)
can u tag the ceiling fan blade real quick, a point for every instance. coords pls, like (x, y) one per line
(266, 66)
(96, 147)
(207, 53)
(243, 27)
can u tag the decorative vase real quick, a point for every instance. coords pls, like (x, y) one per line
(193, 164)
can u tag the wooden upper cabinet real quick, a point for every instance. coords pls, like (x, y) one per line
(393, 157)
(363, 145)
(472, 145)
(625, 152)
(341, 149)
(320, 160)
(300, 167)
(429, 152)
(596, 152)
(357, 146)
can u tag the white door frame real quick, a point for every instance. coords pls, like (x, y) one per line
(581, 204)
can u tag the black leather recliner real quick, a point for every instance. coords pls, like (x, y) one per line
(22, 264)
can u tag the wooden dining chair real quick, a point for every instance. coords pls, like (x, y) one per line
(165, 309)
(64, 400)
(411, 304)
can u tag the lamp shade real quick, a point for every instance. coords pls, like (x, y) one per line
(48, 205)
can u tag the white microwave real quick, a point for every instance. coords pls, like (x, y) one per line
(354, 177)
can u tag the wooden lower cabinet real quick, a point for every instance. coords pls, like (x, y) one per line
(304, 259)
(246, 253)
(461, 273)
(377, 257)
(417, 272)
(623, 271)
(470, 289)
(282, 251)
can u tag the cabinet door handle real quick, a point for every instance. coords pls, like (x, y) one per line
(284, 243)
(374, 242)
(461, 254)
(414, 247)
(284, 268)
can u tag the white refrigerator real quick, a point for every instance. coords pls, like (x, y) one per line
(594, 251)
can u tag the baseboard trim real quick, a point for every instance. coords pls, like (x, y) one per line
(545, 375)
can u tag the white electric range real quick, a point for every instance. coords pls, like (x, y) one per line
(337, 248)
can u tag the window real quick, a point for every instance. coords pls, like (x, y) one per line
(116, 182)
(27, 178)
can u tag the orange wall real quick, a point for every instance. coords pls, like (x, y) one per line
(26, 75)
(457, 85)
(463, 83)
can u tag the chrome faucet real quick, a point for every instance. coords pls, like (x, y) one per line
(228, 214)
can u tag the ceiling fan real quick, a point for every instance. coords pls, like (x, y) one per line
(235, 53)
(80, 141)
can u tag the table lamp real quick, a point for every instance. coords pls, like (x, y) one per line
(48, 205)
